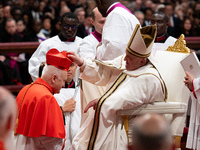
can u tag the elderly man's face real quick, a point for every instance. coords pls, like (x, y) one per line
(60, 82)
(68, 27)
(133, 62)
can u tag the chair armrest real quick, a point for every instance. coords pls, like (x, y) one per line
(156, 107)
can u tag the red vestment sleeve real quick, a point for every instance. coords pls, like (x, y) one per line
(1, 145)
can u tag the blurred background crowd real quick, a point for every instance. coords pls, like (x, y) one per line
(37, 20)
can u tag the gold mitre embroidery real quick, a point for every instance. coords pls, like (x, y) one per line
(179, 46)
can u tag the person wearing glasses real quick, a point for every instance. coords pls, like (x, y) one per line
(65, 40)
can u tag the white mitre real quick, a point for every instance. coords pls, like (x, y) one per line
(141, 41)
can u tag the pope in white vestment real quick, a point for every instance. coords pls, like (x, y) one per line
(118, 28)
(104, 130)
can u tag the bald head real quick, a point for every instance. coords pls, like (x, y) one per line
(151, 132)
(98, 20)
(55, 77)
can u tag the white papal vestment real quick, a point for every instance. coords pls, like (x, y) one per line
(105, 130)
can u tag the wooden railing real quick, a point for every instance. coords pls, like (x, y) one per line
(22, 47)
(193, 42)
(30, 47)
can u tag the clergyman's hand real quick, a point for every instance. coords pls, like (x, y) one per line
(92, 103)
(188, 80)
(74, 57)
(69, 105)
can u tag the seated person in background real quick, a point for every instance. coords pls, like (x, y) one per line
(151, 132)
(63, 10)
(55, 27)
(40, 123)
(10, 34)
(12, 59)
(193, 137)
(187, 27)
(80, 13)
(147, 16)
(46, 28)
(31, 36)
(140, 16)
(21, 28)
(70, 98)
(8, 113)
(175, 15)
(163, 40)
(17, 12)
(136, 83)
(86, 27)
